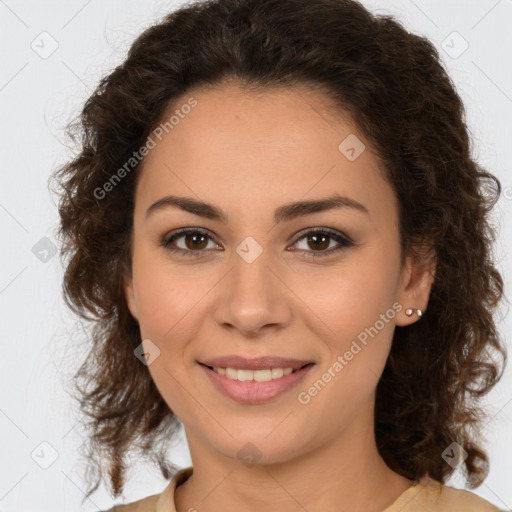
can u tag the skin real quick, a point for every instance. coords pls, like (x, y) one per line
(248, 154)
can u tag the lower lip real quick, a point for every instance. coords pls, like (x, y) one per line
(252, 392)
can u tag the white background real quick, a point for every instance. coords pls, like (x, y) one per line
(38, 96)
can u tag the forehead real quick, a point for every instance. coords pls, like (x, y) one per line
(284, 116)
(259, 146)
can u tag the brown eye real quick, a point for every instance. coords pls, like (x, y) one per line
(317, 243)
(190, 242)
(195, 241)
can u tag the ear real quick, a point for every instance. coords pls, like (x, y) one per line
(130, 296)
(416, 282)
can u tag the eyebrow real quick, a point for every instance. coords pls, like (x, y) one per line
(285, 212)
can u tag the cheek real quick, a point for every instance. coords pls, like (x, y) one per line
(164, 292)
(349, 297)
(360, 321)
(355, 318)
(165, 303)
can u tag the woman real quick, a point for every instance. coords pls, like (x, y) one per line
(277, 230)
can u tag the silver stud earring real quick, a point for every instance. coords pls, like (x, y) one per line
(408, 312)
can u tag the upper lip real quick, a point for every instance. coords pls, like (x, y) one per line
(258, 363)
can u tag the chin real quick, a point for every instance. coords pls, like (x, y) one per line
(259, 449)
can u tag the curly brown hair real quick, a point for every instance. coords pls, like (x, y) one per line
(401, 98)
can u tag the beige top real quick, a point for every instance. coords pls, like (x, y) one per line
(427, 495)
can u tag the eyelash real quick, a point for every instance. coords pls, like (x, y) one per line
(344, 241)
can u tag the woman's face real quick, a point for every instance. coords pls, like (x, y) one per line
(253, 285)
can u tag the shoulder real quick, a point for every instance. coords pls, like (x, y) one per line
(147, 504)
(432, 496)
(162, 502)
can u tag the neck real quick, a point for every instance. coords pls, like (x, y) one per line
(346, 474)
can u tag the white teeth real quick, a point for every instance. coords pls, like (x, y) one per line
(257, 375)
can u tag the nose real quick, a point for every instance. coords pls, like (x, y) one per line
(253, 297)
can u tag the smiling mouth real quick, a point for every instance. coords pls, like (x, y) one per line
(262, 375)
(254, 387)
